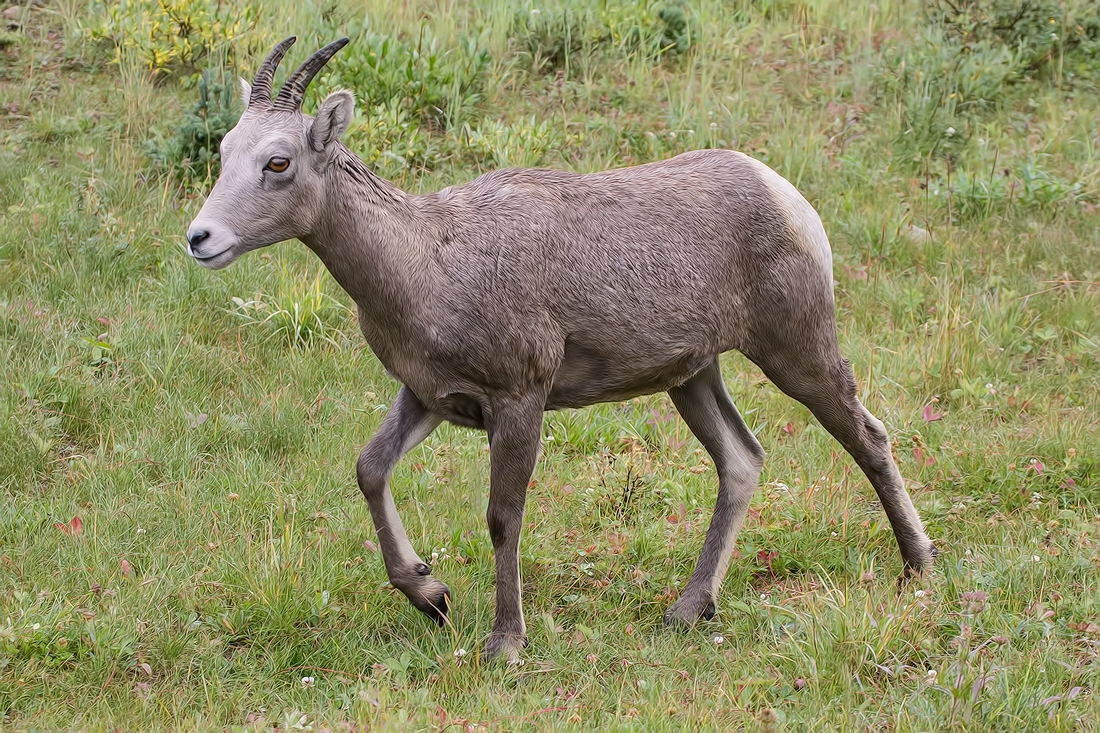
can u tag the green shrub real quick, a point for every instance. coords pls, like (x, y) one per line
(978, 195)
(524, 145)
(1043, 32)
(437, 85)
(942, 89)
(190, 152)
(972, 57)
(10, 38)
(653, 30)
(300, 313)
(175, 36)
(408, 94)
(672, 30)
(391, 141)
(551, 38)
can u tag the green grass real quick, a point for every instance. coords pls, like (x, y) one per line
(181, 540)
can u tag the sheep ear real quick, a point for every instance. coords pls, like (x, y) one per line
(246, 91)
(332, 120)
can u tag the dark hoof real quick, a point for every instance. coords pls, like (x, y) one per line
(687, 610)
(436, 603)
(912, 571)
(505, 647)
(675, 620)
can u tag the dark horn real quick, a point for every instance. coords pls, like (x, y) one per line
(290, 96)
(261, 87)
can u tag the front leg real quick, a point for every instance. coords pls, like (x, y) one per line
(515, 432)
(406, 425)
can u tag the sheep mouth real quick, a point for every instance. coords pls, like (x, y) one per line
(215, 261)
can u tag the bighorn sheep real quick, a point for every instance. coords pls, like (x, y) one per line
(532, 290)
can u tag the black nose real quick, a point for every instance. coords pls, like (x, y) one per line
(196, 238)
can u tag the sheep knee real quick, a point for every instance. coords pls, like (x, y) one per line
(371, 476)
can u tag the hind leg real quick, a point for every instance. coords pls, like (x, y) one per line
(710, 414)
(515, 431)
(812, 371)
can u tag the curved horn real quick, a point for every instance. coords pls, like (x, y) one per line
(261, 87)
(290, 96)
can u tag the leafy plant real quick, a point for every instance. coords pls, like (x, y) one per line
(10, 38)
(300, 312)
(978, 195)
(390, 141)
(972, 56)
(174, 35)
(550, 38)
(522, 145)
(672, 30)
(437, 85)
(54, 643)
(1043, 32)
(942, 89)
(191, 152)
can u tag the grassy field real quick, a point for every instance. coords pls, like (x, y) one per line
(182, 544)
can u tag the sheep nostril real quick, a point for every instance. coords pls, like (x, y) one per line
(197, 238)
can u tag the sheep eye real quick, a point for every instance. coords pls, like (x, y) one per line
(277, 165)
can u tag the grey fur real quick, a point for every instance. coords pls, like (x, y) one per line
(531, 290)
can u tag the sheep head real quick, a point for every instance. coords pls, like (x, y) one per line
(271, 186)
